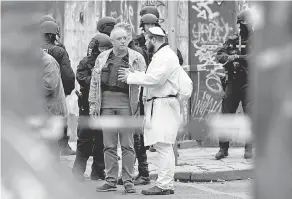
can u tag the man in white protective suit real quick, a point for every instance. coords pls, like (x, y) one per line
(162, 99)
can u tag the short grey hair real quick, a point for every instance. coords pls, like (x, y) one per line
(127, 27)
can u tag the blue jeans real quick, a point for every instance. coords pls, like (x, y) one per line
(110, 141)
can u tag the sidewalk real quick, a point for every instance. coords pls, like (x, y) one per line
(195, 164)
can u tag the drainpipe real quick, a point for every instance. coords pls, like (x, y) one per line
(172, 16)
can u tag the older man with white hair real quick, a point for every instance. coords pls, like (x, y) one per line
(162, 84)
(108, 97)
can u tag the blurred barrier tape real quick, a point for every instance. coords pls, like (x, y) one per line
(229, 126)
(236, 127)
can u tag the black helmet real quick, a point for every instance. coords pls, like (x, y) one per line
(47, 18)
(99, 40)
(149, 19)
(49, 27)
(106, 25)
(102, 39)
(245, 17)
(149, 10)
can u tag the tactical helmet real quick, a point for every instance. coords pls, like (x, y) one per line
(47, 18)
(102, 40)
(49, 27)
(149, 10)
(106, 25)
(149, 19)
(99, 40)
(245, 17)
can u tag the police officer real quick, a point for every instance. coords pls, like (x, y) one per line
(106, 24)
(233, 55)
(90, 141)
(50, 30)
(57, 42)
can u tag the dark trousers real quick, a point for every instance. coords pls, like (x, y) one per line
(140, 150)
(234, 94)
(90, 142)
(141, 155)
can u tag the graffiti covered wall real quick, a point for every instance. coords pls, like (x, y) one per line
(124, 11)
(210, 24)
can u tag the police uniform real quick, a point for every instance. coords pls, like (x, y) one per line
(234, 55)
(48, 25)
(235, 82)
(90, 141)
(67, 74)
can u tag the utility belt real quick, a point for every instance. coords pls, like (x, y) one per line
(154, 98)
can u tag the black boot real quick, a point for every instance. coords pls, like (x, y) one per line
(248, 151)
(223, 151)
(65, 147)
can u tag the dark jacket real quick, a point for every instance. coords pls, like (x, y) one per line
(67, 74)
(83, 74)
(237, 69)
(140, 50)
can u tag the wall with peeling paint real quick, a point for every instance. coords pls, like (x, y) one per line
(210, 24)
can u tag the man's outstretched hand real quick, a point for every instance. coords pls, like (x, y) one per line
(123, 74)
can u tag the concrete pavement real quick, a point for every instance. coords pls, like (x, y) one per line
(241, 189)
(195, 164)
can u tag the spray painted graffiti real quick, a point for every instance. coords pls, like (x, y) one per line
(123, 11)
(206, 10)
(208, 35)
(205, 107)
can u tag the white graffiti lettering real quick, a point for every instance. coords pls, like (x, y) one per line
(205, 107)
(208, 36)
(213, 81)
(214, 31)
(207, 10)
